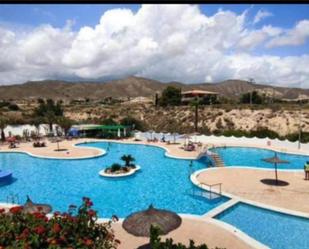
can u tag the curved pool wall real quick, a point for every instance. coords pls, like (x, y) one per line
(162, 181)
(274, 229)
(252, 157)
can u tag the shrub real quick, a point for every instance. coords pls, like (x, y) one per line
(133, 123)
(13, 107)
(115, 167)
(155, 242)
(63, 230)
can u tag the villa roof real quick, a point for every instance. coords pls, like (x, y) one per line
(199, 92)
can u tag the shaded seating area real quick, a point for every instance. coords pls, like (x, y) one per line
(101, 131)
(139, 223)
(38, 144)
(275, 160)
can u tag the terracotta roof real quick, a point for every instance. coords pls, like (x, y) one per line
(198, 92)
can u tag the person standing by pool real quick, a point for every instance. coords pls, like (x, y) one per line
(306, 168)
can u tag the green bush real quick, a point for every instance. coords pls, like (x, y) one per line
(155, 242)
(19, 230)
(170, 96)
(133, 123)
(115, 167)
(13, 107)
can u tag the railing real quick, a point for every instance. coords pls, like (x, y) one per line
(210, 187)
(212, 194)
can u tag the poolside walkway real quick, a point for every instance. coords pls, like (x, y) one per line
(201, 231)
(72, 151)
(49, 151)
(246, 183)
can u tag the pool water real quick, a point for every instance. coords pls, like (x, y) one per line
(274, 229)
(162, 181)
(244, 156)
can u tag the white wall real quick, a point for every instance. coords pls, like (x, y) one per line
(18, 129)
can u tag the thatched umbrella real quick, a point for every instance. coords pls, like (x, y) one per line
(139, 223)
(195, 134)
(185, 137)
(275, 160)
(31, 207)
(58, 140)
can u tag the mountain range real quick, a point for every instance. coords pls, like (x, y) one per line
(135, 87)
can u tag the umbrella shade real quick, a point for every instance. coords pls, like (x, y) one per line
(139, 223)
(31, 207)
(275, 160)
(185, 136)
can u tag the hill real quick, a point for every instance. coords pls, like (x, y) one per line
(135, 87)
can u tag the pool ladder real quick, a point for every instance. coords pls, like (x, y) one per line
(12, 198)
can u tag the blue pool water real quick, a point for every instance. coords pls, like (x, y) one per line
(274, 229)
(162, 181)
(243, 156)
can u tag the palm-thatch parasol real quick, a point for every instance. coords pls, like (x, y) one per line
(195, 134)
(185, 137)
(275, 160)
(139, 223)
(31, 207)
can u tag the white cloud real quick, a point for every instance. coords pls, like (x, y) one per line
(163, 42)
(294, 37)
(260, 15)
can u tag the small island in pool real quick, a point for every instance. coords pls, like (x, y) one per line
(117, 170)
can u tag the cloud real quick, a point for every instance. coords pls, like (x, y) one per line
(293, 37)
(260, 15)
(163, 42)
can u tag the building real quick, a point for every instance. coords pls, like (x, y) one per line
(205, 97)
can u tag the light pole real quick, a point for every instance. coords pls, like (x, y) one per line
(299, 129)
(251, 80)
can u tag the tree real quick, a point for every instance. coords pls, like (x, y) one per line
(133, 122)
(195, 103)
(37, 121)
(65, 124)
(108, 121)
(128, 159)
(171, 96)
(3, 124)
(251, 97)
(49, 111)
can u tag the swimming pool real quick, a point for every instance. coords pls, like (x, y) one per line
(246, 156)
(162, 181)
(274, 229)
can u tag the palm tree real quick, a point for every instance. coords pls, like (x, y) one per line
(127, 159)
(65, 124)
(37, 121)
(50, 118)
(195, 103)
(3, 124)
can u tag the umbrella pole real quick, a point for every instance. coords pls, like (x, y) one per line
(58, 145)
(276, 174)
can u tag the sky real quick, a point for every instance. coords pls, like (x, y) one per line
(186, 43)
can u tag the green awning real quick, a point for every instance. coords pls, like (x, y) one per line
(105, 127)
